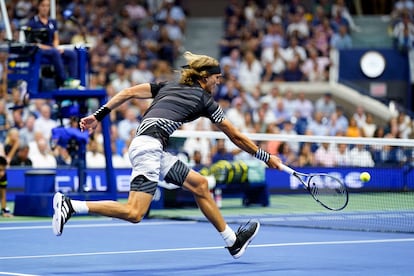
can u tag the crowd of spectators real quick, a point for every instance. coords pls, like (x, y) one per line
(264, 41)
(402, 26)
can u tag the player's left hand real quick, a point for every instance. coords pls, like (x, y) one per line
(274, 162)
(88, 123)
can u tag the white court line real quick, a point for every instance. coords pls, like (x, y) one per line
(91, 225)
(16, 274)
(207, 248)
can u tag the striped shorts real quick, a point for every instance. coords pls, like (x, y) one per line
(150, 160)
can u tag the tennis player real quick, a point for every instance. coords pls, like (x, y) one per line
(174, 103)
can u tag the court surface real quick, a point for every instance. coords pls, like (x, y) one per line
(101, 246)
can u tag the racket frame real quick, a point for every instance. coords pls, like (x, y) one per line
(300, 177)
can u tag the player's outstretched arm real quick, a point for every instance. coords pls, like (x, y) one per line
(140, 91)
(244, 143)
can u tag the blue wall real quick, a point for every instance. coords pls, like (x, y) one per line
(382, 179)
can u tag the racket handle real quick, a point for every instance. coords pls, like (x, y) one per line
(287, 169)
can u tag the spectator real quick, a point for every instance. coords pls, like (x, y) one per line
(281, 114)
(50, 49)
(322, 34)
(231, 40)
(403, 34)
(94, 155)
(286, 155)
(353, 129)
(236, 114)
(118, 144)
(196, 161)
(401, 7)
(404, 125)
(220, 152)
(44, 123)
(389, 155)
(3, 71)
(340, 8)
(293, 72)
(316, 67)
(298, 27)
(251, 36)
(16, 113)
(325, 156)
(130, 122)
(162, 71)
(294, 52)
(22, 10)
(337, 20)
(250, 71)
(342, 155)
(166, 49)
(141, 73)
(317, 125)
(21, 158)
(233, 61)
(268, 75)
(120, 78)
(275, 56)
(341, 40)
(5, 211)
(361, 157)
(290, 103)
(170, 9)
(360, 115)
(11, 144)
(288, 128)
(263, 116)
(306, 157)
(136, 11)
(369, 127)
(274, 35)
(175, 33)
(42, 157)
(227, 93)
(304, 111)
(4, 120)
(63, 157)
(326, 105)
(27, 132)
(338, 122)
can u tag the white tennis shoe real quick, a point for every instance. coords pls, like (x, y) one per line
(63, 210)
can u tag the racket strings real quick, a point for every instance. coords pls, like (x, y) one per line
(329, 191)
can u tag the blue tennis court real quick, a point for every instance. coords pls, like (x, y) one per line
(100, 246)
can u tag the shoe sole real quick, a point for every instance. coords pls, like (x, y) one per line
(57, 214)
(243, 249)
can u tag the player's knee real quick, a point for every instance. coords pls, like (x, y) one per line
(135, 216)
(202, 188)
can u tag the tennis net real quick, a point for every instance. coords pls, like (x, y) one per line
(385, 203)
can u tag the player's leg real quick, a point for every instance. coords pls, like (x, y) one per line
(133, 211)
(145, 155)
(176, 172)
(198, 186)
(236, 242)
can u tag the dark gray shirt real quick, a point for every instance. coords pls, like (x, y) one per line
(175, 104)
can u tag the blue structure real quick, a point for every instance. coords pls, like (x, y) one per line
(25, 64)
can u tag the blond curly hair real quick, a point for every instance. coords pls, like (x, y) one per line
(196, 67)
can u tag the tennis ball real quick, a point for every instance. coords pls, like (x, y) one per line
(365, 177)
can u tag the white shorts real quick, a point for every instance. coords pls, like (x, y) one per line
(149, 159)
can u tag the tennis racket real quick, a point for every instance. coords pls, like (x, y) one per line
(326, 189)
